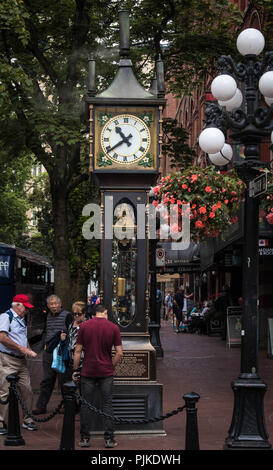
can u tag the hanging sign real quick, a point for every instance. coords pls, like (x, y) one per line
(258, 185)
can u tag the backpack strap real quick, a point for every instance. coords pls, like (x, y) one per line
(10, 314)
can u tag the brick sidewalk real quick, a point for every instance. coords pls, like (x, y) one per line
(191, 362)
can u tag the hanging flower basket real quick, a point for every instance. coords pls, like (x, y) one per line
(266, 201)
(214, 199)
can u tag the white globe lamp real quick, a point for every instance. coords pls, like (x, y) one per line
(211, 140)
(223, 157)
(269, 101)
(234, 102)
(223, 87)
(266, 84)
(250, 41)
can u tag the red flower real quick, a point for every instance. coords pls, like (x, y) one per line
(269, 218)
(199, 224)
(214, 207)
(226, 201)
(208, 189)
(203, 210)
(212, 215)
(184, 186)
(194, 178)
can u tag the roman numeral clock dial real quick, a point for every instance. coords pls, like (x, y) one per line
(125, 139)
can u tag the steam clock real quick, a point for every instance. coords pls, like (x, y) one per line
(125, 146)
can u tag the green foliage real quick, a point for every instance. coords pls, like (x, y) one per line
(190, 35)
(13, 205)
(84, 254)
(39, 197)
(175, 147)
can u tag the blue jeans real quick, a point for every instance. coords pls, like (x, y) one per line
(105, 385)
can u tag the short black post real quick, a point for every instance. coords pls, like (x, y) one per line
(14, 437)
(68, 431)
(192, 438)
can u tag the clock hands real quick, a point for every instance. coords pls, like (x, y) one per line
(116, 145)
(124, 139)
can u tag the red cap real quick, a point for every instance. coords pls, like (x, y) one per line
(22, 299)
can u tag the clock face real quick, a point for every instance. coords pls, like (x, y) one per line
(125, 139)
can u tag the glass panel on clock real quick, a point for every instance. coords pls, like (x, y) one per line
(124, 264)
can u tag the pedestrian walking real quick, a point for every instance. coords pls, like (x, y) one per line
(14, 351)
(178, 305)
(57, 322)
(158, 304)
(168, 306)
(97, 336)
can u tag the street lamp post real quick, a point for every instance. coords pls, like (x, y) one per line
(238, 111)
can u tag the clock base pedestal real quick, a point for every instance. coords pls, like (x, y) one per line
(136, 393)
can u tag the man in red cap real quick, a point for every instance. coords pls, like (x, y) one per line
(14, 349)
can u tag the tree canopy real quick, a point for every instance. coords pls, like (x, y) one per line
(44, 46)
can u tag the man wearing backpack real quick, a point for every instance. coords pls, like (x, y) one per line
(14, 349)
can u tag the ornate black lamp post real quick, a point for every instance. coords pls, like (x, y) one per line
(249, 125)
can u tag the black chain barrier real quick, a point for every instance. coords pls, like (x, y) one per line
(129, 421)
(71, 402)
(38, 420)
(95, 410)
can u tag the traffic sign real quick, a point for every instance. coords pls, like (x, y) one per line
(160, 257)
(258, 185)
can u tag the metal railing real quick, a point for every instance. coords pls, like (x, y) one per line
(70, 402)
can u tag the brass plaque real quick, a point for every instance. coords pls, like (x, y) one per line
(135, 365)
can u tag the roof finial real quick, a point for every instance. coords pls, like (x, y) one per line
(160, 77)
(124, 47)
(91, 76)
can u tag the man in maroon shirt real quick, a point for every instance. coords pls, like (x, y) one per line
(97, 337)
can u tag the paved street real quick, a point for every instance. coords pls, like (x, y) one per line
(192, 362)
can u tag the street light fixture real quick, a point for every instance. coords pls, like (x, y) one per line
(249, 125)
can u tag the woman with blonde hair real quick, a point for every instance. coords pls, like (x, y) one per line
(79, 311)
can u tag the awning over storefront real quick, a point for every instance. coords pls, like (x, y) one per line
(212, 246)
(179, 261)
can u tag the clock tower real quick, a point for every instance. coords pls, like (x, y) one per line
(125, 160)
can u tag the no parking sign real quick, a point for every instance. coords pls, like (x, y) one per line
(160, 257)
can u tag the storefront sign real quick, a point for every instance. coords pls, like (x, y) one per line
(234, 326)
